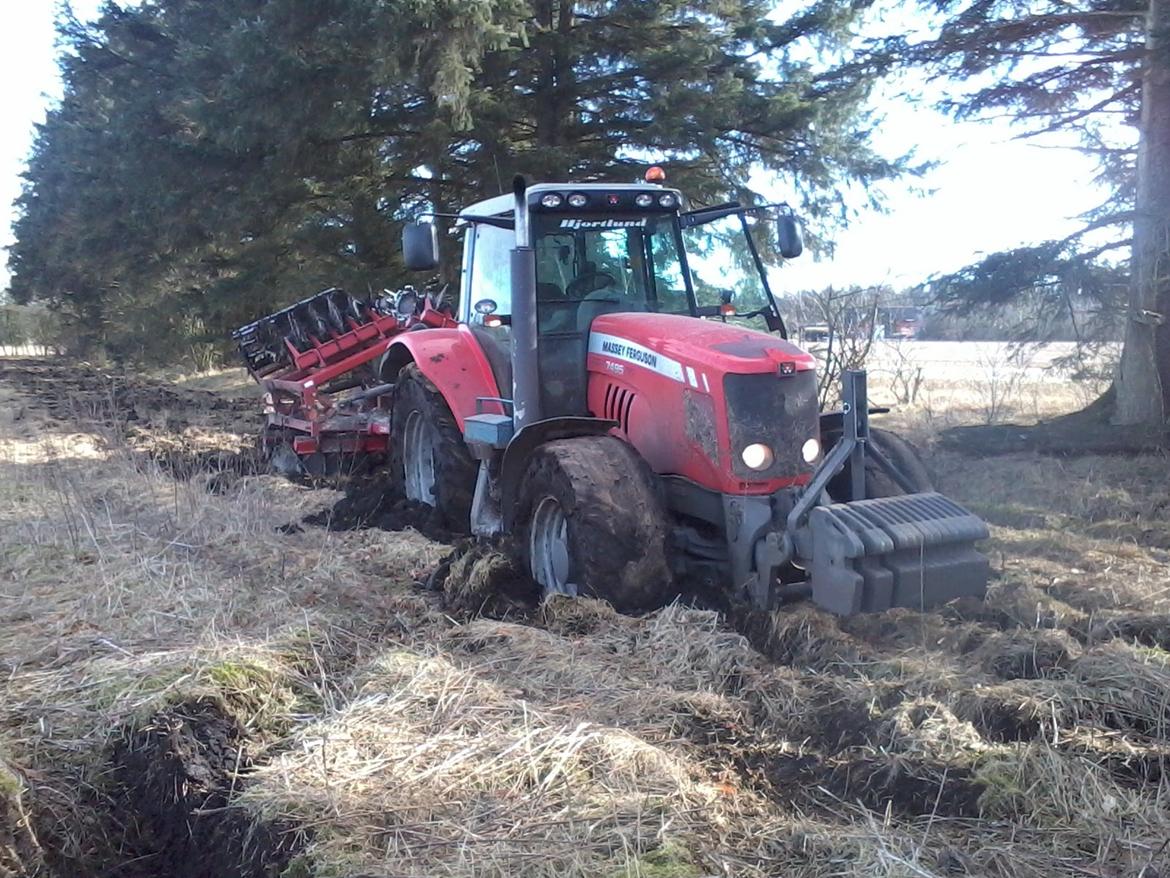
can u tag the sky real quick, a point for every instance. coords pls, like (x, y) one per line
(990, 192)
(28, 82)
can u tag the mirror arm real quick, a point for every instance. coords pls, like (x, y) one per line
(703, 215)
(500, 222)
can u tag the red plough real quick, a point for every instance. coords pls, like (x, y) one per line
(318, 363)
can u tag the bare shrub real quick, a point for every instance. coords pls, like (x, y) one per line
(849, 338)
(905, 376)
(1002, 371)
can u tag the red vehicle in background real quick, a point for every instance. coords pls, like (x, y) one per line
(903, 322)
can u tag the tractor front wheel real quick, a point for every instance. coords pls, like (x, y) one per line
(591, 523)
(429, 461)
(878, 483)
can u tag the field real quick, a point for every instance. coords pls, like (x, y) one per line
(210, 671)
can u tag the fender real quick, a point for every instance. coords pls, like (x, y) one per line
(452, 360)
(519, 452)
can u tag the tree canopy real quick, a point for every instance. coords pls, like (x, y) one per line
(1099, 70)
(210, 161)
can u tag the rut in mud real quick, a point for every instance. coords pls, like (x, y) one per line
(186, 432)
(372, 501)
(176, 775)
(164, 809)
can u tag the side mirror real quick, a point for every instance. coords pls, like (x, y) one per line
(420, 247)
(725, 296)
(788, 236)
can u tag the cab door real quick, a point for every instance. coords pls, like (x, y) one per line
(487, 296)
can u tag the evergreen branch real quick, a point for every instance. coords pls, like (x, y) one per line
(1073, 118)
(1121, 244)
(364, 135)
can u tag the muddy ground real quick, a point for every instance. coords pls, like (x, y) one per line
(211, 671)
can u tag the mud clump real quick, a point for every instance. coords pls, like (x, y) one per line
(924, 727)
(913, 787)
(175, 775)
(478, 579)
(709, 721)
(879, 783)
(1152, 630)
(800, 636)
(375, 502)
(573, 617)
(1007, 713)
(1027, 655)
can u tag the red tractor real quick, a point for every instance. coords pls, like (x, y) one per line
(618, 394)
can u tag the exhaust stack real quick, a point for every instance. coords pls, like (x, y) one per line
(525, 362)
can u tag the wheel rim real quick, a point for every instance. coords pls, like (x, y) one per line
(548, 548)
(418, 460)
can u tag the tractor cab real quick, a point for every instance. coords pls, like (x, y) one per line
(607, 249)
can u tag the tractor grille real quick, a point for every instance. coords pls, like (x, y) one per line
(780, 411)
(618, 401)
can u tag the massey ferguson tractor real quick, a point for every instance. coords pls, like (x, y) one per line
(616, 393)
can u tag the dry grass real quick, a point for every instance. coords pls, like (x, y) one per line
(1027, 736)
(935, 385)
(230, 381)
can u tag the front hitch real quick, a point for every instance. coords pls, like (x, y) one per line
(870, 554)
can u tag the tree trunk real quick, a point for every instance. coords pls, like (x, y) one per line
(554, 115)
(1143, 380)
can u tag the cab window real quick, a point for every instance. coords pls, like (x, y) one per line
(491, 269)
(635, 265)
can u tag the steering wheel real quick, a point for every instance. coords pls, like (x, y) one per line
(581, 286)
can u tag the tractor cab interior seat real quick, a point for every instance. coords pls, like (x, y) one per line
(555, 312)
(546, 291)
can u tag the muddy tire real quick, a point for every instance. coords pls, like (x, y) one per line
(429, 461)
(898, 451)
(591, 523)
(906, 459)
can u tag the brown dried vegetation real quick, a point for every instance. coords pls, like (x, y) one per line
(193, 687)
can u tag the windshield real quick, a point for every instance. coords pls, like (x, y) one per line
(590, 265)
(631, 262)
(724, 269)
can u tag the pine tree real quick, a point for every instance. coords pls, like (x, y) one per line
(213, 160)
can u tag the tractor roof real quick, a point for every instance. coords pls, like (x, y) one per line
(504, 204)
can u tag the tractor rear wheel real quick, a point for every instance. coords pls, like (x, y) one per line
(590, 523)
(429, 461)
(898, 451)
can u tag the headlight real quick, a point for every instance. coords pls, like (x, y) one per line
(810, 450)
(758, 456)
(551, 200)
(577, 200)
(668, 200)
(644, 200)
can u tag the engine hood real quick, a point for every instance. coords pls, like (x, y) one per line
(722, 347)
